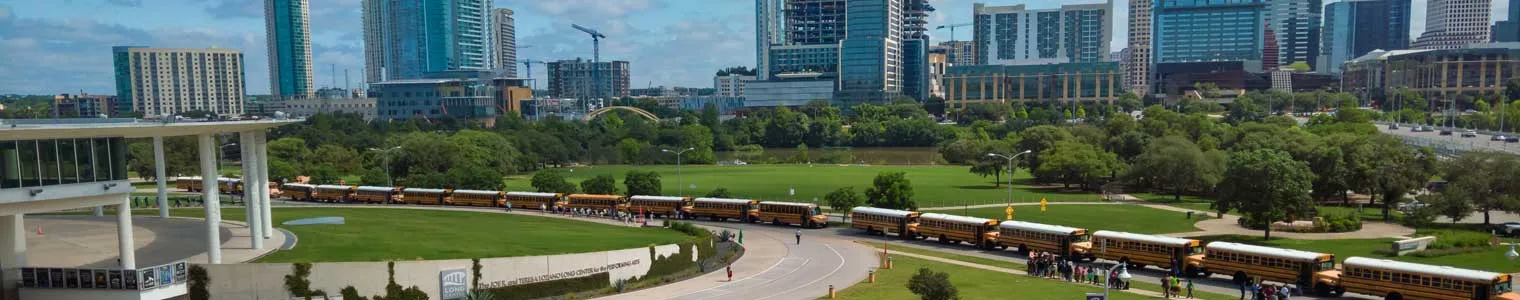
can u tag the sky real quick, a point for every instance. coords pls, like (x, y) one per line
(64, 46)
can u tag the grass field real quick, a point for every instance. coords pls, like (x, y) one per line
(933, 186)
(1492, 259)
(973, 283)
(377, 234)
(1128, 218)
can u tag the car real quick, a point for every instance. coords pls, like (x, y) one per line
(1470, 133)
(1446, 132)
(1393, 126)
(1507, 228)
(1498, 138)
(1512, 139)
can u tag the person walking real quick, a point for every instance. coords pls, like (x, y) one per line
(730, 273)
(799, 236)
(1284, 293)
(1176, 286)
(1190, 289)
(1166, 287)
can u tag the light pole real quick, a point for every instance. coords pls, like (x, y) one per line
(387, 152)
(1123, 277)
(1010, 170)
(680, 185)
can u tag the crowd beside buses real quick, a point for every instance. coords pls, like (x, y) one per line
(1265, 272)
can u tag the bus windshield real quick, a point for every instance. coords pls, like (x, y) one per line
(1326, 265)
(816, 211)
(1502, 287)
(1197, 250)
(1080, 238)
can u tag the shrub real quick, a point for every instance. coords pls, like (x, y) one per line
(688, 228)
(552, 288)
(198, 282)
(1341, 222)
(1419, 217)
(931, 285)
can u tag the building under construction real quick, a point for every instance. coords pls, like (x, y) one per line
(572, 79)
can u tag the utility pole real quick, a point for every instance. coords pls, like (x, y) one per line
(680, 184)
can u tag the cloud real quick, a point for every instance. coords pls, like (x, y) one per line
(235, 8)
(594, 9)
(128, 3)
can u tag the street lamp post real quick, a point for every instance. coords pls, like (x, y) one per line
(387, 151)
(1010, 170)
(680, 185)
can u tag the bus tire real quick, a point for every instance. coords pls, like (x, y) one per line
(1323, 290)
(943, 239)
(1394, 296)
(1023, 249)
(1338, 291)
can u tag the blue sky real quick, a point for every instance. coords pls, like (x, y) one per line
(64, 46)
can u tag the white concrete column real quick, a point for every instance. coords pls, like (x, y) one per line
(251, 200)
(261, 142)
(213, 204)
(124, 241)
(158, 169)
(245, 141)
(12, 254)
(100, 211)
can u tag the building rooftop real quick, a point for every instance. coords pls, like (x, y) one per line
(39, 129)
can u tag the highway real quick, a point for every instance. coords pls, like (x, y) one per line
(1450, 145)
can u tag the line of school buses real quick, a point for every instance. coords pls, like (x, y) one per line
(1310, 271)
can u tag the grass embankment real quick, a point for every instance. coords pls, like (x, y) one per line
(380, 234)
(933, 186)
(1128, 218)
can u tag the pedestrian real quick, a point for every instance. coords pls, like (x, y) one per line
(1190, 289)
(1284, 293)
(509, 206)
(1268, 292)
(1166, 287)
(730, 273)
(799, 236)
(1242, 290)
(1176, 286)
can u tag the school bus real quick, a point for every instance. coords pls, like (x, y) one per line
(952, 229)
(591, 201)
(807, 215)
(424, 196)
(229, 186)
(659, 205)
(477, 198)
(192, 184)
(331, 193)
(1243, 262)
(376, 194)
(1140, 250)
(882, 221)
(1396, 280)
(297, 191)
(719, 209)
(532, 200)
(1069, 242)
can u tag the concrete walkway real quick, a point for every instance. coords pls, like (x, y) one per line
(1015, 272)
(90, 242)
(775, 266)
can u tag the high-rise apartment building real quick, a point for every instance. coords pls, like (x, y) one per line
(504, 42)
(1509, 29)
(915, 49)
(870, 57)
(960, 53)
(1451, 24)
(1355, 27)
(1208, 30)
(572, 79)
(405, 39)
(163, 81)
(770, 30)
(1296, 26)
(731, 85)
(1013, 35)
(1137, 70)
(288, 35)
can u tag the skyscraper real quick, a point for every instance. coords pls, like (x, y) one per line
(915, 49)
(1013, 35)
(1209, 30)
(572, 79)
(162, 81)
(960, 53)
(405, 39)
(288, 36)
(770, 29)
(1296, 25)
(870, 57)
(1509, 29)
(504, 42)
(1355, 27)
(1137, 74)
(1451, 24)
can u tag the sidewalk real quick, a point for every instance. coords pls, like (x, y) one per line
(1009, 271)
(762, 255)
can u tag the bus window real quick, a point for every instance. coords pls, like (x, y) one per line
(1502, 287)
(1326, 265)
(1197, 250)
(816, 211)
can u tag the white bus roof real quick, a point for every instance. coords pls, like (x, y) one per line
(658, 198)
(1046, 228)
(334, 187)
(376, 189)
(422, 190)
(476, 192)
(532, 194)
(1304, 256)
(1444, 271)
(787, 203)
(725, 200)
(299, 185)
(1142, 237)
(955, 218)
(188, 178)
(880, 211)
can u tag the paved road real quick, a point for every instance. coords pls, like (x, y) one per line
(1454, 141)
(775, 267)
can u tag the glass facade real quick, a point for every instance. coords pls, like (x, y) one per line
(32, 163)
(870, 59)
(122, 60)
(418, 37)
(1053, 82)
(1208, 30)
(1355, 28)
(289, 48)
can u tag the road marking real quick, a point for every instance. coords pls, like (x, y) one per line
(825, 276)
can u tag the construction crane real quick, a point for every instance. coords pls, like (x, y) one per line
(596, 57)
(951, 54)
(528, 64)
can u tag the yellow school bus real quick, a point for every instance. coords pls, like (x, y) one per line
(1396, 280)
(1140, 250)
(1069, 242)
(424, 196)
(666, 206)
(591, 201)
(807, 215)
(192, 184)
(882, 221)
(331, 193)
(719, 209)
(297, 191)
(1243, 262)
(477, 198)
(533, 200)
(952, 229)
(230, 186)
(376, 194)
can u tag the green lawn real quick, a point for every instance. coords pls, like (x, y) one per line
(973, 283)
(933, 186)
(1128, 218)
(376, 234)
(1492, 259)
(946, 255)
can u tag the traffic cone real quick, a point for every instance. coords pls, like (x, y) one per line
(39, 229)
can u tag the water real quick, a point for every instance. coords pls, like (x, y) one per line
(858, 155)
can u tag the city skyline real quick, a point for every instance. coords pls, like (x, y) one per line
(67, 43)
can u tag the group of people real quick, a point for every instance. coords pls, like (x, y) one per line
(1173, 286)
(1048, 265)
(1261, 291)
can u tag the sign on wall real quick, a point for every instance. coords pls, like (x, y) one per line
(76, 278)
(453, 284)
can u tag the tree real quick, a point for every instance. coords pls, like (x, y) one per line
(1452, 203)
(891, 190)
(931, 285)
(1038, 139)
(1481, 181)
(374, 177)
(325, 174)
(1396, 169)
(642, 183)
(721, 192)
(475, 178)
(1266, 186)
(843, 199)
(601, 184)
(344, 159)
(1073, 162)
(1176, 161)
(552, 181)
